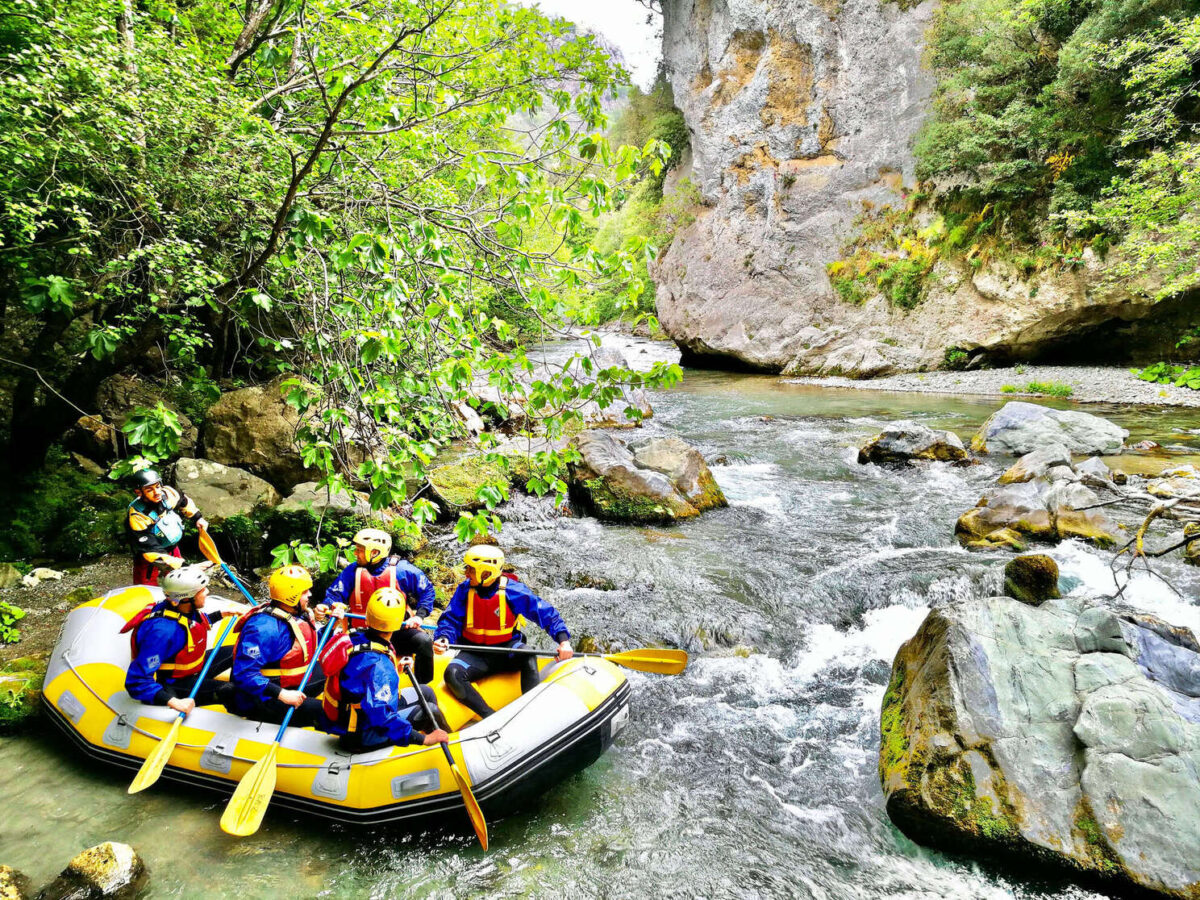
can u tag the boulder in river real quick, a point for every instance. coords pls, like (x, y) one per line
(456, 485)
(1032, 579)
(1036, 464)
(1037, 509)
(661, 480)
(1018, 428)
(1067, 733)
(908, 441)
(108, 870)
(1182, 482)
(222, 491)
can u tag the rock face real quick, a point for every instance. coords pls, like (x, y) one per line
(222, 491)
(800, 114)
(903, 442)
(108, 870)
(1019, 428)
(1067, 733)
(253, 428)
(661, 480)
(1043, 510)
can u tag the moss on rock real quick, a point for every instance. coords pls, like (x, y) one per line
(20, 691)
(456, 485)
(1031, 579)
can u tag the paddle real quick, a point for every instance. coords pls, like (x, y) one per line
(660, 661)
(209, 549)
(473, 810)
(155, 763)
(248, 805)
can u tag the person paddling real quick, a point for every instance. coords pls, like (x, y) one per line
(168, 642)
(373, 569)
(484, 612)
(154, 526)
(276, 641)
(363, 702)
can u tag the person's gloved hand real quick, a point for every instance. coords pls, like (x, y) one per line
(440, 646)
(201, 523)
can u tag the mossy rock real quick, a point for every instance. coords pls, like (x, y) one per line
(79, 595)
(20, 691)
(1032, 579)
(456, 485)
(14, 885)
(608, 501)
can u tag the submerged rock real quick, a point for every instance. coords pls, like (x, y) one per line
(908, 441)
(1032, 579)
(1018, 428)
(222, 491)
(108, 870)
(1066, 733)
(661, 481)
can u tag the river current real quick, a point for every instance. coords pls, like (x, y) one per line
(754, 773)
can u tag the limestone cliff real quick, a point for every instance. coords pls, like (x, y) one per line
(800, 111)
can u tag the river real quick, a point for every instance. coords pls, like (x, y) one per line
(751, 775)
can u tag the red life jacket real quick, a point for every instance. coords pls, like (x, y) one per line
(187, 661)
(288, 672)
(489, 620)
(337, 708)
(366, 584)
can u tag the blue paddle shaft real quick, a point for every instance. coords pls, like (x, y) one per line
(238, 584)
(312, 663)
(211, 656)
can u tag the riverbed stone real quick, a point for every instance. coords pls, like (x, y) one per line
(684, 465)
(14, 885)
(221, 491)
(608, 481)
(112, 870)
(1040, 510)
(1018, 428)
(1053, 733)
(1036, 463)
(1094, 467)
(1032, 579)
(1182, 482)
(907, 441)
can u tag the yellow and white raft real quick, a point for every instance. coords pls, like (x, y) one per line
(530, 744)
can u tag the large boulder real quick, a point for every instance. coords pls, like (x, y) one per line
(119, 395)
(92, 438)
(1067, 733)
(1018, 428)
(908, 441)
(222, 491)
(109, 870)
(674, 483)
(254, 428)
(455, 485)
(1037, 509)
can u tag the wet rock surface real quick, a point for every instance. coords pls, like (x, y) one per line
(908, 441)
(1032, 579)
(108, 871)
(1019, 428)
(1067, 733)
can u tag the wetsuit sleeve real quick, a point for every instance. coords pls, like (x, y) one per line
(343, 586)
(158, 642)
(258, 646)
(417, 587)
(537, 610)
(450, 624)
(381, 699)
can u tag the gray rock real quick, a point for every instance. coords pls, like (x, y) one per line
(1183, 483)
(1018, 428)
(1094, 467)
(108, 870)
(1048, 511)
(1036, 464)
(1032, 731)
(319, 500)
(10, 576)
(609, 481)
(908, 441)
(222, 491)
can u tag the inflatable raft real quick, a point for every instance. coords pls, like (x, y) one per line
(531, 743)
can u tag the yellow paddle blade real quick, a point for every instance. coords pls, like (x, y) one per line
(473, 810)
(209, 549)
(248, 805)
(660, 661)
(157, 761)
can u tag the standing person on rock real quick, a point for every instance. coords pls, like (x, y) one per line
(168, 644)
(373, 569)
(154, 525)
(363, 701)
(484, 611)
(276, 641)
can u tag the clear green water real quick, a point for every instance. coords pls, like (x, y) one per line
(750, 775)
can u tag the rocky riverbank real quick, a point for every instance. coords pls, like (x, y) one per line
(1088, 384)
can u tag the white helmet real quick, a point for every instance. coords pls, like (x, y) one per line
(184, 583)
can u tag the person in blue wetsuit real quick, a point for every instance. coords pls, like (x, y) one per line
(364, 702)
(373, 569)
(168, 643)
(484, 611)
(276, 642)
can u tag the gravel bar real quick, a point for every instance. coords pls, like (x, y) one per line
(1091, 384)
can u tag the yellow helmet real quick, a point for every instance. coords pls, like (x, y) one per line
(387, 609)
(288, 584)
(486, 562)
(376, 543)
